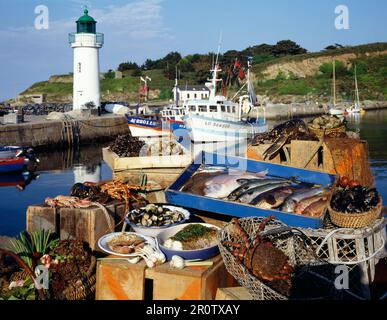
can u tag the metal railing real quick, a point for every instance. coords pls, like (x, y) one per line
(92, 38)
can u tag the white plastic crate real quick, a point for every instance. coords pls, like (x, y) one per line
(358, 249)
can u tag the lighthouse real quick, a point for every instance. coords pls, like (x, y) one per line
(86, 43)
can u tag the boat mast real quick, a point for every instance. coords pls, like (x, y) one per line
(357, 88)
(334, 83)
(215, 70)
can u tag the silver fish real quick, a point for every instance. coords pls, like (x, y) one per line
(250, 184)
(221, 186)
(273, 199)
(252, 194)
(291, 202)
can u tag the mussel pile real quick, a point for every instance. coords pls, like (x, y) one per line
(127, 146)
(356, 199)
(155, 216)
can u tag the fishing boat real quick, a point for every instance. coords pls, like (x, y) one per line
(218, 119)
(356, 108)
(334, 110)
(163, 125)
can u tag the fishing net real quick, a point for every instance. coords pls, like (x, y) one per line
(291, 242)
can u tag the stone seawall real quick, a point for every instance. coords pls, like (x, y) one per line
(57, 134)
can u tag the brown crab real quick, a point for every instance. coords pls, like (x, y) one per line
(261, 258)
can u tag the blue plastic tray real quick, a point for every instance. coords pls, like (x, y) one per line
(176, 197)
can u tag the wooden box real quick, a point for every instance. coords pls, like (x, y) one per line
(120, 280)
(328, 156)
(119, 164)
(161, 178)
(88, 225)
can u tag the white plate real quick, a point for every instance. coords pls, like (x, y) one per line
(102, 243)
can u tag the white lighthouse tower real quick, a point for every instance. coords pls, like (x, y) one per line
(86, 43)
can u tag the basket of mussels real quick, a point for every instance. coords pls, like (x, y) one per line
(327, 125)
(353, 205)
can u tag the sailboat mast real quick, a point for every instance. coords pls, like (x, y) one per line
(357, 88)
(334, 83)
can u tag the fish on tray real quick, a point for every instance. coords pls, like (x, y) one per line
(247, 185)
(295, 201)
(251, 196)
(221, 186)
(274, 198)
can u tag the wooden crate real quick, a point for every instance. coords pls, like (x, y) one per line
(88, 225)
(327, 157)
(156, 177)
(120, 164)
(119, 280)
(235, 294)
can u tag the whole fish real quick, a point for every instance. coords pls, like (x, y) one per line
(221, 186)
(273, 199)
(316, 209)
(249, 184)
(251, 195)
(303, 204)
(291, 202)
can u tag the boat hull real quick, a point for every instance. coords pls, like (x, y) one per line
(336, 112)
(11, 165)
(142, 127)
(205, 129)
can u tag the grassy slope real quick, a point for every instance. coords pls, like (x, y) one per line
(372, 83)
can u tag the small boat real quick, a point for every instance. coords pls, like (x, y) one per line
(163, 125)
(334, 110)
(356, 108)
(11, 165)
(9, 152)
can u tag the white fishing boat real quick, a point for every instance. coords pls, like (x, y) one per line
(356, 108)
(334, 110)
(218, 119)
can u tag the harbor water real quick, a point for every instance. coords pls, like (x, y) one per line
(59, 171)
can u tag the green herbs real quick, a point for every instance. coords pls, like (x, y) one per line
(33, 245)
(191, 232)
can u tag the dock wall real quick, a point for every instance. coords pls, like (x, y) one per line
(58, 134)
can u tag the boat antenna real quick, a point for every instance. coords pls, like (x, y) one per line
(219, 48)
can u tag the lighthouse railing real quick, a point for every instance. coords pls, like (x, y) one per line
(87, 38)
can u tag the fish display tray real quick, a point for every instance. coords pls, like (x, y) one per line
(175, 196)
(120, 164)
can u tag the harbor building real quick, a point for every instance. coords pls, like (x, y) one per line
(188, 92)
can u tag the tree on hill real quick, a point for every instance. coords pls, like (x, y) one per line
(286, 48)
(128, 66)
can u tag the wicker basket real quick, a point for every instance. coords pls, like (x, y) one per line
(320, 133)
(355, 221)
(292, 244)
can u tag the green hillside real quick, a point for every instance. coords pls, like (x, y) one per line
(279, 70)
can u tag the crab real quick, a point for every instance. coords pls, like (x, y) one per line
(261, 258)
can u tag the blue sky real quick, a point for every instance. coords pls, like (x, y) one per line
(138, 29)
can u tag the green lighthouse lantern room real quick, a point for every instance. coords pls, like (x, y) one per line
(86, 24)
